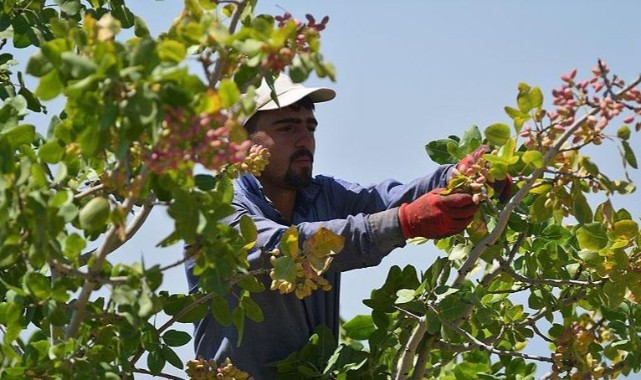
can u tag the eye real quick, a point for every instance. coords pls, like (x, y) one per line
(311, 128)
(285, 128)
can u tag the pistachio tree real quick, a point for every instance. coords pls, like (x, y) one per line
(141, 126)
(156, 122)
(557, 263)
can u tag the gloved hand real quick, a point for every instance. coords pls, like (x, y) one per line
(435, 216)
(502, 188)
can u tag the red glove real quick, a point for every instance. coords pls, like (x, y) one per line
(436, 216)
(502, 188)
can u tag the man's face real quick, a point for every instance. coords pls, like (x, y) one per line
(288, 134)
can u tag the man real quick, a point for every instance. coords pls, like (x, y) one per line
(374, 220)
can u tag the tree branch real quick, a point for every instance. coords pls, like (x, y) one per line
(549, 281)
(111, 240)
(475, 343)
(89, 191)
(504, 215)
(132, 228)
(163, 375)
(216, 76)
(407, 358)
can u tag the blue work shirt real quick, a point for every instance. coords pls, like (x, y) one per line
(366, 216)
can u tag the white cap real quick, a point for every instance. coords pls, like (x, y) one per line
(289, 93)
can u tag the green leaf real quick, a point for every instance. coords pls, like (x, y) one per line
(534, 158)
(452, 307)
(252, 310)
(592, 236)
(70, 7)
(628, 154)
(51, 152)
(624, 230)
(155, 361)
(405, 296)
(589, 166)
(248, 229)
(78, 66)
(359, 327)
(39, 285)
(120, 11)
(19, 134)
(523, 99)
(439, 152)
(536, 97)
(471, 140)
(285, 268)
(171, 51)
(50, 86)
(519, 117)
(229, 92)
(175, 338)
(459, 252)
(289, 242)
(497, 134)
(238, 318)
(220, 310)
(251, 284)
(614, 292)
(171, 356)
(205, 182)
(94, 214)
(580, 207)
(539, 212)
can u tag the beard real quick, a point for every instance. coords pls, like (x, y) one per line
(298, 180)
(301, 179)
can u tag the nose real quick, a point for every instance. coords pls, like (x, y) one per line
(306, 140)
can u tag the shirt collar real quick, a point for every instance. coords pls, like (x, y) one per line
(249, 183)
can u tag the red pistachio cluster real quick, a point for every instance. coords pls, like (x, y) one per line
(200, 138)
(278, 58)
(597, 93)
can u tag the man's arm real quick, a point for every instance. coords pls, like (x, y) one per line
(367, 217)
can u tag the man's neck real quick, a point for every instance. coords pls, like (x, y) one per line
(283, 199)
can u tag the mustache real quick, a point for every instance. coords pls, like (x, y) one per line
(302, 153)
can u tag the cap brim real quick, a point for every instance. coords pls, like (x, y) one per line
(316, 94)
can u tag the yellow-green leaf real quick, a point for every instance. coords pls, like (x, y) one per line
(289, 242)
(497, 134)
(323, 243)
(592, 236)
(534, 158)
(624, 230)
(171, 51)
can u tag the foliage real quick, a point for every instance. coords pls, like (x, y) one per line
(546, 265)
(138, 123)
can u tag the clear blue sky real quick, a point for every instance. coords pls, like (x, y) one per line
(414, 71)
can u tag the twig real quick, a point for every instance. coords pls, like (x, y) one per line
(89, 191)
(407, 358)
(550, 281)
(220, 63)
(163, 375)
(475, 343)
(111, 239)
(421, 360)
(504, 215)
(69, 270)
(132, 228)
(190, 307)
